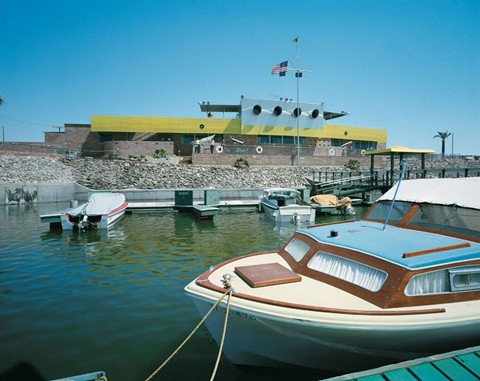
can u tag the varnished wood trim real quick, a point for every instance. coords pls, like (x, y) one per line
(410, 213)
(435, 250)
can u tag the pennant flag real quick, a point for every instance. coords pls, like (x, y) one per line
(280, 68)
(296, 39)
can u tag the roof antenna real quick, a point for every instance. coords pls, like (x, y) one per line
(403, 163)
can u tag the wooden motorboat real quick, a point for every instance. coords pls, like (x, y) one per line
(402, 283)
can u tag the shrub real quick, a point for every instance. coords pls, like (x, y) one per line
(241, 163)
(352, 164)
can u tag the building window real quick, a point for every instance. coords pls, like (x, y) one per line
(105, 137)
(278, 139)
(262, 139)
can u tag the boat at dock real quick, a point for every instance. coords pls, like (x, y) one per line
(102, 210)
(402, 283)
(285, 205)
(330, 204)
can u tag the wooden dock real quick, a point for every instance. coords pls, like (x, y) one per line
(461, 365)
(349, 183)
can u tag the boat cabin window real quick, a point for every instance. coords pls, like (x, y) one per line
(348, 270)
(297, 249)
(381, 208)
(465, 278)
(443, 281)
(434, 282)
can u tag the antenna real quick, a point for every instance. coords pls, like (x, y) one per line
(395, 195)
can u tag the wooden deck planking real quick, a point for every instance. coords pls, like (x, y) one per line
(461, 365)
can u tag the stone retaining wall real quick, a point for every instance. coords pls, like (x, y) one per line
(100, 174)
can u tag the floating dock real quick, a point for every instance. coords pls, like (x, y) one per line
(461, 365)
(206, 209)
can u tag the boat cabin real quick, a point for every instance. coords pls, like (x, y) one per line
(427, 254)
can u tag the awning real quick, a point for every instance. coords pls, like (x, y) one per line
(400, 150)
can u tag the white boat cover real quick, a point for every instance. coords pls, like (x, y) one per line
(103, 203)
(463, 191)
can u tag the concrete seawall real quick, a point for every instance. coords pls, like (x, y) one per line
(45, 193)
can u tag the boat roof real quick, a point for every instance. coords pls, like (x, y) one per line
(462, 192)
(392, 243)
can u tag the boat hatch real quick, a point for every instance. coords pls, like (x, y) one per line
(268, 274)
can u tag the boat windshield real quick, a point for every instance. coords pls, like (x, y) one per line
(447, 218)
(380, 210)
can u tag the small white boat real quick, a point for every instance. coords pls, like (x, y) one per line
(330, 204)
(402, 283)
(102, 210)
(285, 205)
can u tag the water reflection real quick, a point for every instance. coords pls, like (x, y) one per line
(74, 302)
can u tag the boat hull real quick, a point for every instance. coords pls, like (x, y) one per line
(265, 340)
(291, 213)
(85, 217)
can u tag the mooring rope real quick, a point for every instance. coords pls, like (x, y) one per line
(228, 292)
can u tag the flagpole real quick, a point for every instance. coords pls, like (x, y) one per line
(297, 74)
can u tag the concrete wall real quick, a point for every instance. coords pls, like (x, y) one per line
(45, 193)
(15, 193)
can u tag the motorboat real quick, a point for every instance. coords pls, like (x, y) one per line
(402, 283)
(330, 204)
(285, 205)
(102, 210)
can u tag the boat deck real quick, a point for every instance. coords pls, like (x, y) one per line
(461, 365)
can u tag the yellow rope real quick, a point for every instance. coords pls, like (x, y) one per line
(230, 291)
(189, 336)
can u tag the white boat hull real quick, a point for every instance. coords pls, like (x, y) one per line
(265, 340)
(290, 213)
(102, 211)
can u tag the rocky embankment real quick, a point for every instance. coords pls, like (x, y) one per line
(132, 174)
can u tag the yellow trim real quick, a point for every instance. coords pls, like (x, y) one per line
(101, 123)
(355, 133)
(164, 124)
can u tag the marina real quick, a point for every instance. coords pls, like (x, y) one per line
(113, 299)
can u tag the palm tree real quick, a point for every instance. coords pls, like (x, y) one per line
(443, 136)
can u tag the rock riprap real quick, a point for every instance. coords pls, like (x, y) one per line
(133, 174)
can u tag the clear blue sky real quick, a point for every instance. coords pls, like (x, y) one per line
(411, 67)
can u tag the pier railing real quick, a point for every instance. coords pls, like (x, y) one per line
(345, 183)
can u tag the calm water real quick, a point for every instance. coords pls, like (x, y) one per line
(72, 303)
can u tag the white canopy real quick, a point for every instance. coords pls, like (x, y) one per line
(463, 191)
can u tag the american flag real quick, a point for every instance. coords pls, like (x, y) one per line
(280, 68)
